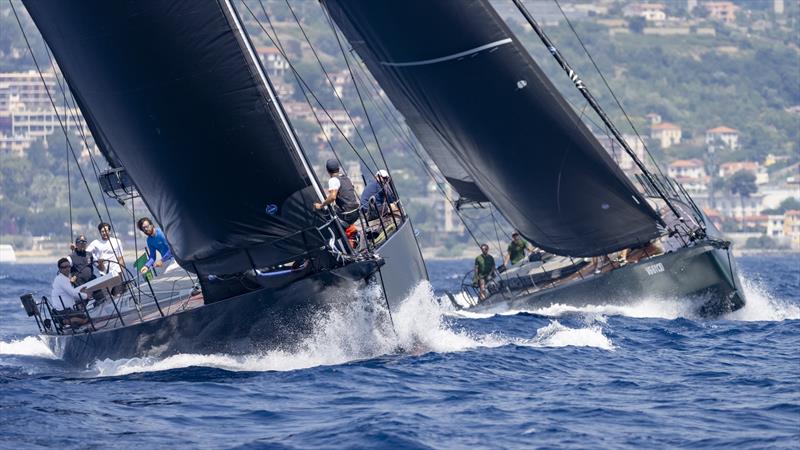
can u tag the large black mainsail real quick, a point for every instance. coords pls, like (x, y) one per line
(172, 90)
(479, 103)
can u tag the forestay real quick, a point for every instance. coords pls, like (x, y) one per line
(479, 103)
(171, 91)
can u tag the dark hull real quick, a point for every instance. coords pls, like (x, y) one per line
(257, 321)
(702, 274)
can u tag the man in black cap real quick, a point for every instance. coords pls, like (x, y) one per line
(342, 193)
(82, 270)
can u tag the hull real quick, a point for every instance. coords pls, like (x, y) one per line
(257, 321)
(704, 274)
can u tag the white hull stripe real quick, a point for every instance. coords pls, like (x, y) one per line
(449, 57)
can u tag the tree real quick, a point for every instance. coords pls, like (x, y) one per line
(637, 24)
(742, 183)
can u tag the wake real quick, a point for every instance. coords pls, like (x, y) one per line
(357, 332)
(760, 306)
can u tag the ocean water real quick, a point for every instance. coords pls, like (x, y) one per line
(648, 375)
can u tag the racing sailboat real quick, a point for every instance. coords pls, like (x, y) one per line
(188, 120)
(502, 134)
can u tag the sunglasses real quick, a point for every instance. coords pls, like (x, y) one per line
(80, 241)
(64, 267)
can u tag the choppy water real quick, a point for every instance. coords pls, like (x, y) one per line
(648, 375)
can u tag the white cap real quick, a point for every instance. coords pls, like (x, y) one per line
(382, 173)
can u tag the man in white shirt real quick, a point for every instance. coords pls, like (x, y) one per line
(63, 291)
(107, 251)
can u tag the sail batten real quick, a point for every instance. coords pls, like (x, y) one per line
(494, 124)
(174, 93)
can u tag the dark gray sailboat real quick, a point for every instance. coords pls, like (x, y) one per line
(182, 110)
(501, 133)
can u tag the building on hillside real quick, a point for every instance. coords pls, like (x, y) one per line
(733, 207)
(273, 61)
(691, 174)
(653, 118)
(26, 88)
(730, 168)
(714, 216)
(777, 7)
(722, 11)
(729, 136)
(619, 154)
(687, 168)
(666, 134)
(775, 226)
(652, 12)
(19, 127)
(791, 228)
(340, 81)
(340, 127)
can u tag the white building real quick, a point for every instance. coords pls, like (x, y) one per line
(26, 88)
(724, 134)
(666, 134)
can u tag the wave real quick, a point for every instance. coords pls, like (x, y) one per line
(359, 332)
(558, 335)
(28, 346)
(760, 306)
(763, 306)
(356, 332)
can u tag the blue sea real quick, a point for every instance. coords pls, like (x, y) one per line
(648, 375)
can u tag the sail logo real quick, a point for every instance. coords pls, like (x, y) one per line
(654, 269)
(272, 209)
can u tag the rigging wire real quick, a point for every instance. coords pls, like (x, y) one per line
(405, 137)
(611, 91)
(53, 103)
(68, 111)
(360, 98)
(327, 77)
(304, 83)
(279, 45)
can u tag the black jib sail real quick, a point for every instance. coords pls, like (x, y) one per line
(172, 90)
(474, 97)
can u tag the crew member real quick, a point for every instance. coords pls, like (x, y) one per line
(377, 196)
(341, 193)
(65, 295)
(156, 243)
(517, 249)
(484, 268)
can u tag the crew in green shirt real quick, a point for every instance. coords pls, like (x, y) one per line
(517, 248)
(484, 267)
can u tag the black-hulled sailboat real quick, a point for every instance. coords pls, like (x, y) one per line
(501, 133)
(180, 107)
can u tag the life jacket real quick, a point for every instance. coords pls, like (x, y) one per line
(346, 198)
(82, 267)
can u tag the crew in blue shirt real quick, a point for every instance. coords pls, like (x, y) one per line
(156, 242)
(380, 189)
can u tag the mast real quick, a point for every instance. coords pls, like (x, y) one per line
(593, 103)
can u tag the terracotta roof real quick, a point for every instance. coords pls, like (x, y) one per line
(687, 163)
(739, 165)
(792, 212)
(722, 130)
(665, 126)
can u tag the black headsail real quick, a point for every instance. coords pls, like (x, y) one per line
(474, 96)
(172, 90)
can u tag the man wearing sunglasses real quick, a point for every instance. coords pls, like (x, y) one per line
(65, 295)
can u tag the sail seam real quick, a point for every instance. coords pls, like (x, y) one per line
(449, 57)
